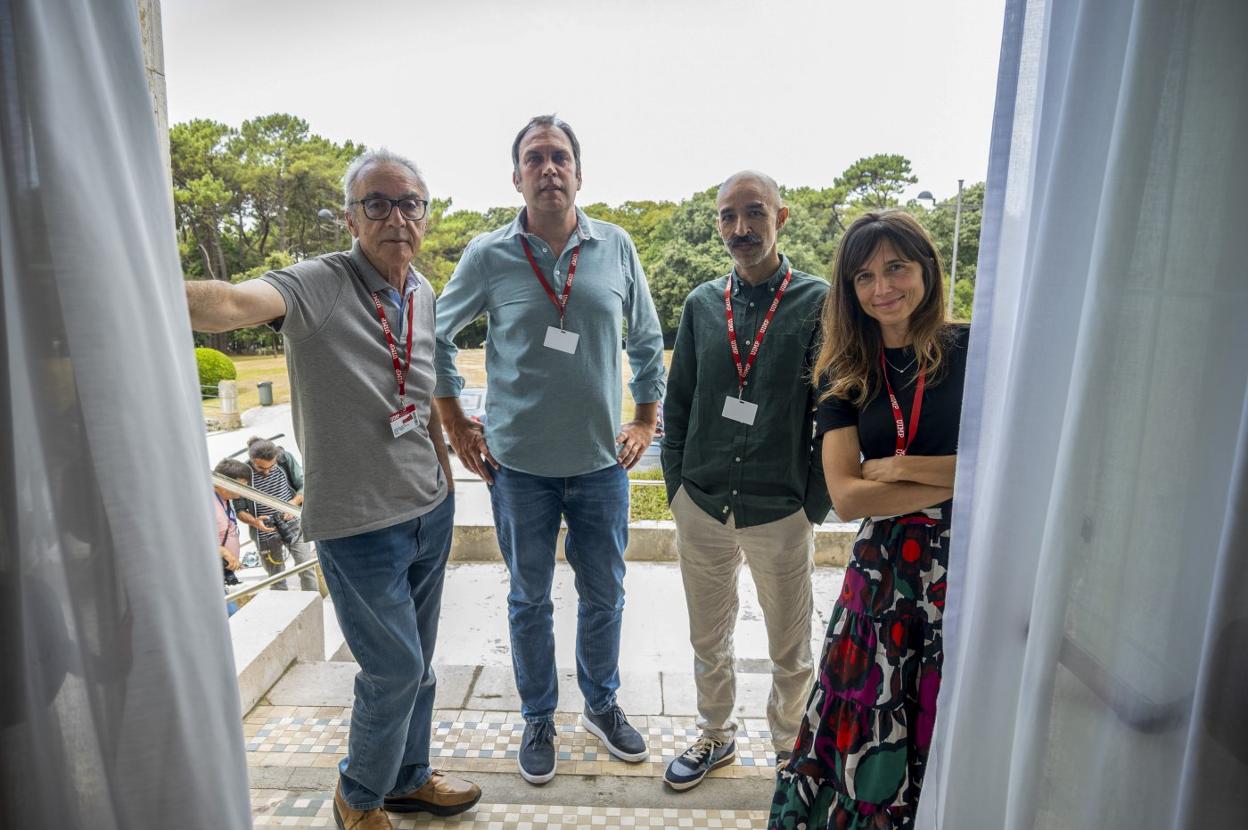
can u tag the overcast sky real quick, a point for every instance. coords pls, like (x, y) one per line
(666, 97)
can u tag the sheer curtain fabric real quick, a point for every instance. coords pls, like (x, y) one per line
(118, 701)
(1097, 625)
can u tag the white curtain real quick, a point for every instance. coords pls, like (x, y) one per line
(1096, 636)
(118, 701)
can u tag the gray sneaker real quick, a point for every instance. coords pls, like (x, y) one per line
(536, 757)
(622, 740)
(688, 769)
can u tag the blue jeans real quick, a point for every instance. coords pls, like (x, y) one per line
(527, 510)
(387, 592)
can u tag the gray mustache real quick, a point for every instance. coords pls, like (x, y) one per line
(748, 239)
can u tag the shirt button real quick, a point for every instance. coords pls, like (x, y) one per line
(556, 272)
(734, 492)
(737, 459)
(725, 508)
(751, 305)
(747, 342)
(545, 250)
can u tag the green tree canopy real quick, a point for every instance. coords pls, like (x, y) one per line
(247, 201)
(876, 181)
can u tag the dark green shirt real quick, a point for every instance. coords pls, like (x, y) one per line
(772, 469)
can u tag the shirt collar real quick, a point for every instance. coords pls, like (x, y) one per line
(373, 280)
(773, 282)
(584, 227)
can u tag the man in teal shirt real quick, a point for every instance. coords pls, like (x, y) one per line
(559, 288)
(742, 471)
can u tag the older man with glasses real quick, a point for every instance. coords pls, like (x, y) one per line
(378, 495)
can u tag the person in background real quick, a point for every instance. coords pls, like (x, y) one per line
(227, 522)
(891, 369)
(276, 472)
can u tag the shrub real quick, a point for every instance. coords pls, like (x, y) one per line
(214, 367)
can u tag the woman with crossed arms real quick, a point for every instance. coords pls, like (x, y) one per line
(891, 370)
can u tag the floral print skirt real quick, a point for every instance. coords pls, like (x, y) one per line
(862, 747)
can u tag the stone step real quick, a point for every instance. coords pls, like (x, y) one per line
(492, 688)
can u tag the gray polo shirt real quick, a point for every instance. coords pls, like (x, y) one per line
(358, 476)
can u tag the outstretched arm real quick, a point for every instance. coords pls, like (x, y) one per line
(216, 305)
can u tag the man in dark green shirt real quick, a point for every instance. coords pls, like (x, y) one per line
(743, 473)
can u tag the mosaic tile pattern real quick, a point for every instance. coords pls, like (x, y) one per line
(466, 741)
(305, 810)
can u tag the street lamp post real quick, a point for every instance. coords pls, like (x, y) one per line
(327, 215)
(957, 228)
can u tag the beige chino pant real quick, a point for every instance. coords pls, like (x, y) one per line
(780, 555)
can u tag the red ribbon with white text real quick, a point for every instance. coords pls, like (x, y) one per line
(561, 301)
(904, 437)
(744, 371)
(400, 370)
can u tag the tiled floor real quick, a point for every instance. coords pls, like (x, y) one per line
(304, 810)
(462, 741)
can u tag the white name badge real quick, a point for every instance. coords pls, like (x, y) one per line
(561, 340)
(738, 410)
(403, 420)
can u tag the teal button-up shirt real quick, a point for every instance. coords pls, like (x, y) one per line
(550, 413)
(772, 469)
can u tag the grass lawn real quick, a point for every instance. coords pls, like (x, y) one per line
(252, 369)
(648, 502)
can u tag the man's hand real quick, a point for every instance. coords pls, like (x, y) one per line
(288, 517)
(262, 524)
(633, 439)
(468, 439)
(231, 561)
(886, 470)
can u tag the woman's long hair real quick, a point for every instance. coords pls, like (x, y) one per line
(848, 365)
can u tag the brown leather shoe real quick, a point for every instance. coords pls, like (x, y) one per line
(442, 795)
(350, 819)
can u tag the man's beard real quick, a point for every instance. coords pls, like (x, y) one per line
(741, 255)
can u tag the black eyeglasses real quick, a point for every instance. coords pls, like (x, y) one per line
(378, 208)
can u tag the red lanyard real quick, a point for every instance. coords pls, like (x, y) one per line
(561, 302)
(400, 371)
(744, 371)
(904, 441)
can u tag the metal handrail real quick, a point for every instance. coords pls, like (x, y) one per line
(256, 495)
(1133, 707)
(255, 587)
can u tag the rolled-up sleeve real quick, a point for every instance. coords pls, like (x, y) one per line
(645, 338)
(463, 300)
